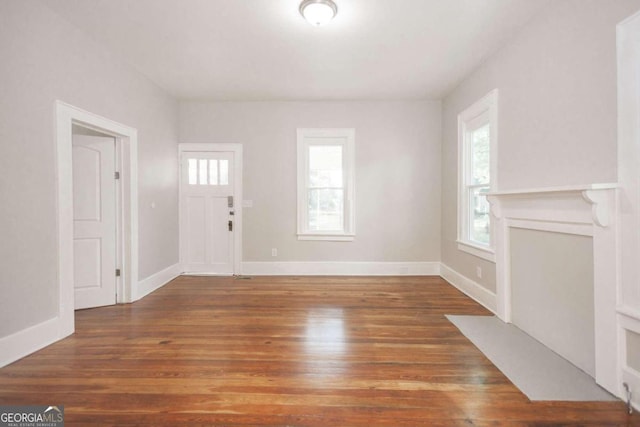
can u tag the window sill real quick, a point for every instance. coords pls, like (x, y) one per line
(476, 250)
(328, 237)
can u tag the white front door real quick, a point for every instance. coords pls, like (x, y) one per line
(207, 212)
(94, 221)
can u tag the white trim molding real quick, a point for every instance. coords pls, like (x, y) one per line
(479, 251)
(341, 268)
(327, 237)
(628, 56)
(157, 280)
(472, 289)
(587, 210)
(127, 137)
(65, 117)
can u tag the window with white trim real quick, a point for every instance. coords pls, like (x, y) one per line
(477, 150)
(325, 184)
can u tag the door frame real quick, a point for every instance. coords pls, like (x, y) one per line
(236, 149)
(126, 205)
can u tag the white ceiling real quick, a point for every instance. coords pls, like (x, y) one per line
(264, 50)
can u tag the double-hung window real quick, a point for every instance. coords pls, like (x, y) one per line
(325, 184)
(477, 150)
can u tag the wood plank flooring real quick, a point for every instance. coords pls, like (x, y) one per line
(284, 351)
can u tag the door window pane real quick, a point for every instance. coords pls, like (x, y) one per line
(326, 209)
(193, 171)
(224, 172)
(479, 218)
(213, 172)
(202, 173)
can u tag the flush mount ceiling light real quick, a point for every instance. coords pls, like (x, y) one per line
(318, 12)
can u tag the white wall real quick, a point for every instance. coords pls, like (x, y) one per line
(43, 59)
(557, 109)
(397, 148)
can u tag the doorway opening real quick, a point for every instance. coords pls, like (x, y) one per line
(69, 118)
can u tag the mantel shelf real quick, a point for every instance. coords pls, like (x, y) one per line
(595, 195)
(559, 189)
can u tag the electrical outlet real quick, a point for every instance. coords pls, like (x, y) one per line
(274, 252)
(479, 272)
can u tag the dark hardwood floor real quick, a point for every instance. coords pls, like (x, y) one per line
(285, 351)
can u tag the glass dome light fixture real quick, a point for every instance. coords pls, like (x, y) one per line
(318, 12)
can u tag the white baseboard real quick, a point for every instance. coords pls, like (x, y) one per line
(341, 268)
(472, 289)
(157, 280)
(22, 343)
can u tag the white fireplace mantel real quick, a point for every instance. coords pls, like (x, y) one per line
(586, 210)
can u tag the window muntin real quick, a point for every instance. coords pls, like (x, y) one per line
(224, 171)
(325, 184)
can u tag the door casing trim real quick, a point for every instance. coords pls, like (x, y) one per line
(127, 204)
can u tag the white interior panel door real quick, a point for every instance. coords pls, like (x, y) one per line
(94, 221)
(197, 242)
(207, 212)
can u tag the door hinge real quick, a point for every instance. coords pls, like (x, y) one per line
(117, 175)
(230, 224)
(117, 272)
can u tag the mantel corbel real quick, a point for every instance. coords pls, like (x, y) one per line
(494, 204)
(599, 206)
